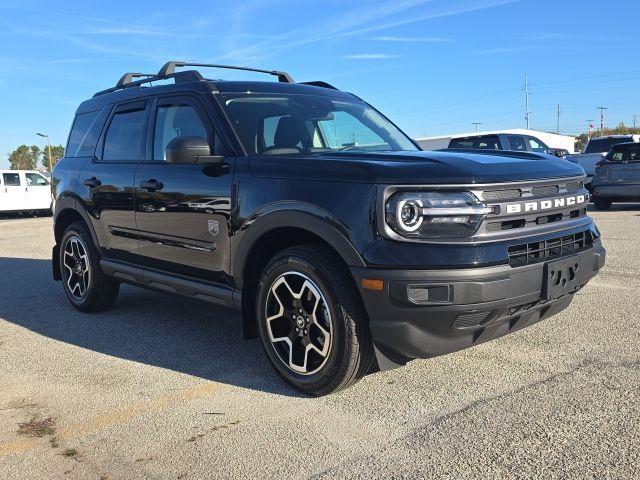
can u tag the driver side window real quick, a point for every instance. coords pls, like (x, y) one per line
(179, 119)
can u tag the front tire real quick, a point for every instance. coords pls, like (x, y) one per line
(311, 321)
(602, 203)
(87, 287)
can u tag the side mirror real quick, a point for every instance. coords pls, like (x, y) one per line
(190, 150)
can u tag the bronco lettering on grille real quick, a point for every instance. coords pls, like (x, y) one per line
(546, 204)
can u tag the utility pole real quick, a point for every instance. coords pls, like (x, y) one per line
(602, 109)
(48, 149)
(635, 119)
(479, 123)
(526, 100)
(558, 125)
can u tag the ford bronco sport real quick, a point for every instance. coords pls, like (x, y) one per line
(306, 209)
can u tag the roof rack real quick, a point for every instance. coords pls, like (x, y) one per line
(169, 68)
(169, 71)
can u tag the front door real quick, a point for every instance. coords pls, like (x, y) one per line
(38, 191)
(183, 210)
(106, 182)
(14, 196)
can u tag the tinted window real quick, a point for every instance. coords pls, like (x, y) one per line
(36, 180)
(85, 133)
(603, 145)
(516, 143)
(627, 154)
(484, 142)
(174, 121)
(11, 179)
(536, 145)
(124, 139)
(310, 124)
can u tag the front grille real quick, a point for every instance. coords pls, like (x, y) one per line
(536, 252)
(545, 190)
(500, 195)
(574, 186)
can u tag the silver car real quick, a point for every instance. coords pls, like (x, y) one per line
(617, 176)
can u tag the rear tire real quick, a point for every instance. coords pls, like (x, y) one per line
(87, 287)
(602, 203)
(311, 321)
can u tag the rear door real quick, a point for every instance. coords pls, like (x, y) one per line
(106, 182)
(13, 192)
(38, 191)
(183, 222)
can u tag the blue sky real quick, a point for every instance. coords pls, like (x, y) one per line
(433, 66)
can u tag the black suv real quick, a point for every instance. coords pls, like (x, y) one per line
(310, 212)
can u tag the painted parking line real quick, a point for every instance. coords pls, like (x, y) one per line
(114, 417)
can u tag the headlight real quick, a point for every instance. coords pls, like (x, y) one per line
(435, 214)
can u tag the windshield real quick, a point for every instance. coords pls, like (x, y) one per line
(290, 124)
(600, 145)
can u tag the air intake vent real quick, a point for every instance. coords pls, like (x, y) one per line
(545, 190)
(471, 320)
(536, 252)
(499, 195)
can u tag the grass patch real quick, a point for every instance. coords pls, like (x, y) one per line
(70, 452)
(37, 427)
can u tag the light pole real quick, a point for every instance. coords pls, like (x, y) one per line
(48, 149)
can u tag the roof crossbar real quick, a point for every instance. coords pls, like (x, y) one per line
(169, 68)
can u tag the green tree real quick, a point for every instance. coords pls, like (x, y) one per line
(57, 152)
(25, 157)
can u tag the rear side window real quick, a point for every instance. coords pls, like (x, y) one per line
(536, 145)
(486, 142)
(517, 143)
(124, 141)
(11, 179)
(85, 133)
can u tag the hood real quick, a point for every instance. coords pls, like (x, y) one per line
(414, 168)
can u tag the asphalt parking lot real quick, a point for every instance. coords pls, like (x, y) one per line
(161, 387)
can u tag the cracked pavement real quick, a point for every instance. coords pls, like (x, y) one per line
(161, 387)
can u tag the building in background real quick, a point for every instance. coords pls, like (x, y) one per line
(552, 140)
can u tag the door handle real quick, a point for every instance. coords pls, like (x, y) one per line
(92, 182)
(151, 185)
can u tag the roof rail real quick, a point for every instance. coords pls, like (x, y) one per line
(169, 68)
(127, 78)
(319, 83)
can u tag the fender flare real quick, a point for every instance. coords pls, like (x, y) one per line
(70, 202)
(316, 222)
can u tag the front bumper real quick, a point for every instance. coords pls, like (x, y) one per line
(466, 306)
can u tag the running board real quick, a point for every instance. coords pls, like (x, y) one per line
(206, 292)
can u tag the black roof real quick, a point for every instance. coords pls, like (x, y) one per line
(129, 87)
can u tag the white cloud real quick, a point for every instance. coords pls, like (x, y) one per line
(412, 39)
(368, 56)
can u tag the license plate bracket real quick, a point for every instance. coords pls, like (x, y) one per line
(561, 277)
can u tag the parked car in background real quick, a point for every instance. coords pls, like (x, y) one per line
(505, 141)
(617, 176)
(595, 150)
(24, 191)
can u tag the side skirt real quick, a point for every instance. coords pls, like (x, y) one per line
(166, 282)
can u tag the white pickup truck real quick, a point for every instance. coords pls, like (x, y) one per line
(595, 150)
